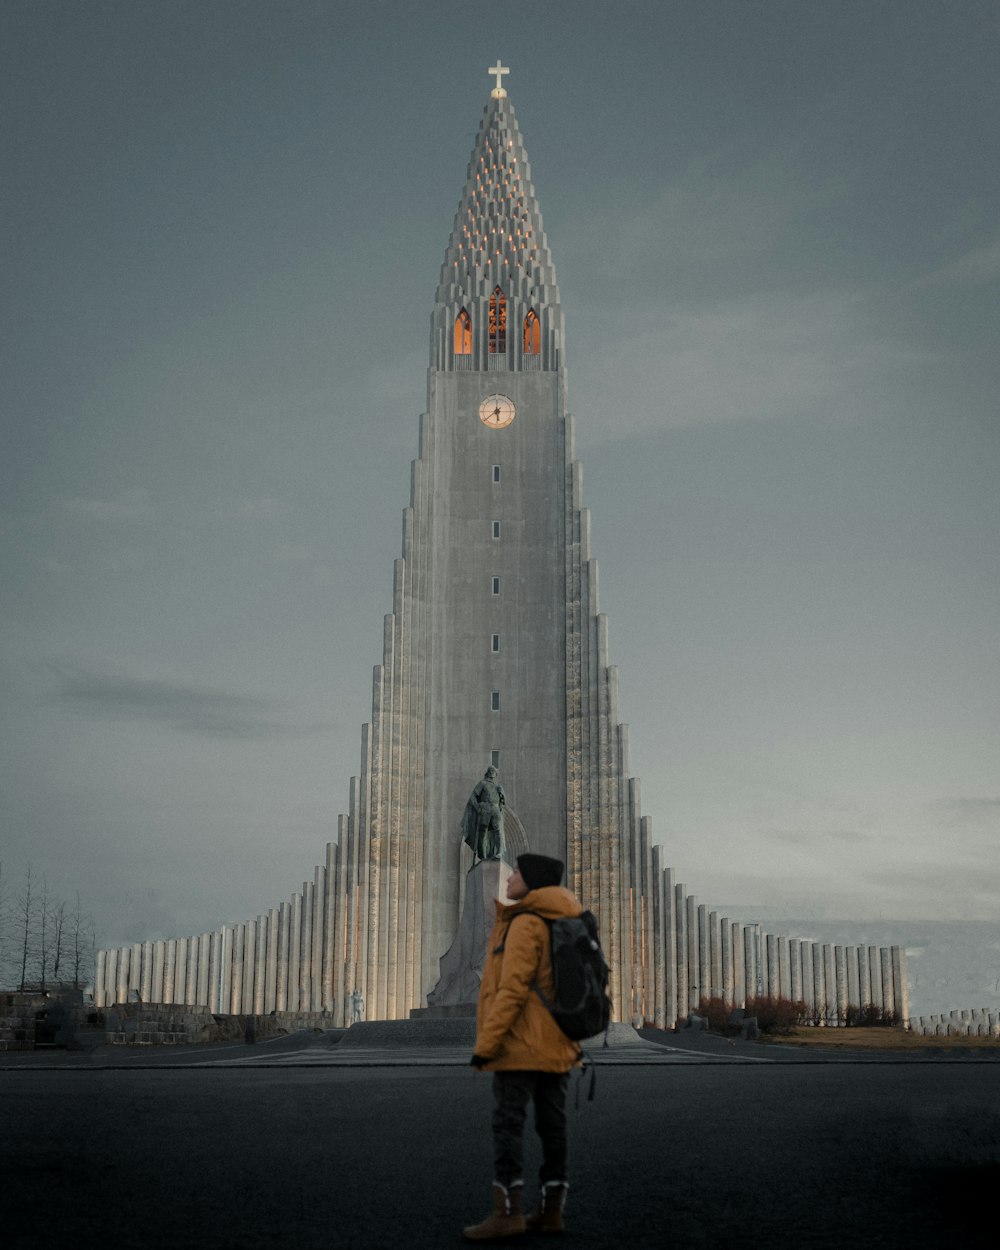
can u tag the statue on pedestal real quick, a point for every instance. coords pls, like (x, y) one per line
(482, 823)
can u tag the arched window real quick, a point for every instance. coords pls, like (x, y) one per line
(532, 334)
(463, 334)
(498, 321)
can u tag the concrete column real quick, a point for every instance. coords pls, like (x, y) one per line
(319, 895)
(294, 952)
(249, 966)
(704, 953)
(213, 1001)
(830, 981)
(100, 971)
(806, 972)
(159, 963)
(888, 998)
(794, 970)
(260, 966)
(121, 975)
(226, 970)
(874, 977)
(726, 933)
(739, 966)
(118, 986)
(146, 981)
(236, 984)
(135, 970)
(715, 956)
(693, 963)
(784, 973)
(822, 1001)
(271, 968)
(840, 975)
(203, 997)
(659, 946)
(194, 954)
(180, 971)
(330, 930)
(681, 979)
(771, 949)
(169, 969)
(283, 958)
(750, 960)
(864, 978)
(191, 971)
(851, 958)
(901, 989)
(347, 864)
(305, 952)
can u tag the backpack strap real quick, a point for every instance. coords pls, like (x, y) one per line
(499, 950)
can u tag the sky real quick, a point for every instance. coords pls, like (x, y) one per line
(776, 235)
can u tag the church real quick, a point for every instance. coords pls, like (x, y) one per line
(494, 654)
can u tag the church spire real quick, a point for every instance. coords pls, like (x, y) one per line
(497, 302)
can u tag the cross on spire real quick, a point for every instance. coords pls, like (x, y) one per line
(498, 92)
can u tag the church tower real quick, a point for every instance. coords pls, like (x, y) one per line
(495, 650)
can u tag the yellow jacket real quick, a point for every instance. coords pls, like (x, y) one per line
(514, 1029)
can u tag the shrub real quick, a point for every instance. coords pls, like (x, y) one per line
(776, 1015)
(871, 1017)
(717, 1012)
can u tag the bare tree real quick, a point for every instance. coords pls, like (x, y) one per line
(4, 943)
(25, 905)
(81, 943)
(58, 937)
(44, 930)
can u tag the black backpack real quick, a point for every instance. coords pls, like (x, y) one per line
(580, 1006)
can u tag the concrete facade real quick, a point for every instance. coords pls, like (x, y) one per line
(495, 650)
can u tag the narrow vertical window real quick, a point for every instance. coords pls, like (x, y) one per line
(495, 701)
(498, 322)
(495, 758)
(496, 529)
(496, 585)
(463, 334)
(496, 642)
(496, 473)
(532, 334)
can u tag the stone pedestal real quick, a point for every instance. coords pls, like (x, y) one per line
(462, 964)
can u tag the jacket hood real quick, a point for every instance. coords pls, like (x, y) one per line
(551, 901)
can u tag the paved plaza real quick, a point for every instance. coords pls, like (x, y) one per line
(288, 1144)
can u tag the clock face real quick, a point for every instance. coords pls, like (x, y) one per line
(496, 411)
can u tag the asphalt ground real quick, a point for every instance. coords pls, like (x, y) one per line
(150, 1153)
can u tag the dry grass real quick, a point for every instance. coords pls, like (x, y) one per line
(876, 1039)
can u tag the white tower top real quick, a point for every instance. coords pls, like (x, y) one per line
(498, 92)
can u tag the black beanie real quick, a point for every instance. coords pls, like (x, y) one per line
(539, 870)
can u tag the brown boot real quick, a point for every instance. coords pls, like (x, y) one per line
(548, 1216)
(505, 1220)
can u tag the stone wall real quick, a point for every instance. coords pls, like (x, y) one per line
(970, 1022)
(18, 1012)
(166, 1024)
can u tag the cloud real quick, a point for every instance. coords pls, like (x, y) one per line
(132, 506)
(721, 220)
(967, 811)
(817, 838)
(179, 706)
(764, 356)
(977, 267)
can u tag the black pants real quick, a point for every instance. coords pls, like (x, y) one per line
(511, 1092)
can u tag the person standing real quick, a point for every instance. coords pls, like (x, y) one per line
(530, 1057)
